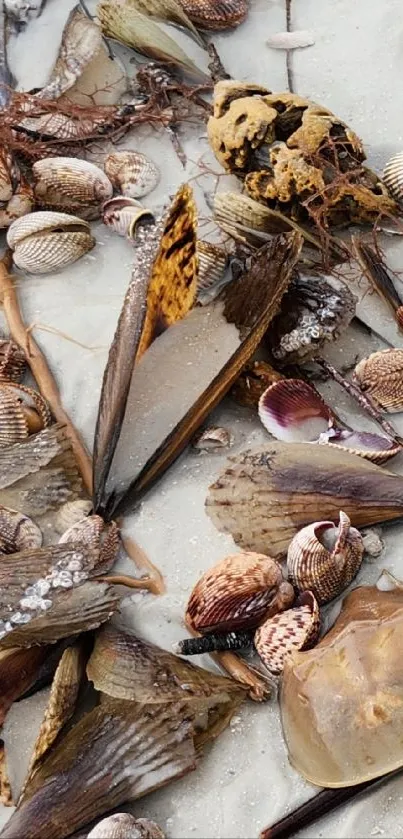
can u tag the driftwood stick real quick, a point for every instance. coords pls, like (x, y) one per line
(155, 581)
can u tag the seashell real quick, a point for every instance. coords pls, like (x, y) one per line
(132, 173)
(12, 361)
(212, 263)
(71, 513)
(393, 177)
(97, 534)
(71, 185)
(208, 14)
(81, 41)
(213, 438)
(16, 195)
(17, 532)
(291, 410)
(324, 559)
(124, 214)
(374, 447)
(295, 629)
(291, 40)
(238, 593)
(373, 545)
(23, 412)
(380, 376)
(46, 241)
(255, 378)
(125, 826)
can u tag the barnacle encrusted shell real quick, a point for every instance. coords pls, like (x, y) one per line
(295, 629)
(125, 826)
(17, 532)
(71, 513)
(95, 533)
(71, 185)
(132, 173)
(293, 411)
(324, 559)
(23, 411)
(47, 241)
(289, 150)
(381, 377)
(342, 702)
(123, 215)
(393, 177)
(12, 361)
(238, 593)
(208, 14)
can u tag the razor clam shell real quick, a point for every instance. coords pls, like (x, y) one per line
(81, 41)
(72, 184)
(381, 377)
(393, 177)
(266, 495)
(126, 826)
(132, 173)
(17, 532)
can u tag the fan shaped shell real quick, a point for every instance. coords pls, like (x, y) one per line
(68, 183)
(132, 173)
(295, 629)
(381, 377)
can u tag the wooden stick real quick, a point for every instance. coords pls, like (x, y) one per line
(155, 581)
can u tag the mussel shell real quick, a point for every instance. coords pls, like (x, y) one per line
(132, 173)
(68, 183)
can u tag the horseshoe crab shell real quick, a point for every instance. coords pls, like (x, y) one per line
(342, 702)
(72, 185)
(132, 173)
(23, 411)
(46, 241)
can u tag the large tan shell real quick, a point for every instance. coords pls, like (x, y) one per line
(46, 241)
(23, 411)
(17, 532)
(123, 214)
(393, 177)
(12, 361)
(381, 377)
(71, 184)
(93, 531)
(132, 173)
(208, 14)
(295, 629)
(324, 559)
(71, 513)
(238, 593)
(125, 826)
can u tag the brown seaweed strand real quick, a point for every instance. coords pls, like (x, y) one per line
(40, 368)
(363, 399)
(155, 581)
(288, 55)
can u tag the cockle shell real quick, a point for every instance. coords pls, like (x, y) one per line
(71, 185)
(238, 593)
(95, 533)
(123, 214)
(125, 826)
(208, 14)
(324, 559)
(71, 513)
(381, 377)
(46, 241)
(17, 532)
(23, 411)
(393, 177)
(132, 173)
(295, 629)
(12, 361)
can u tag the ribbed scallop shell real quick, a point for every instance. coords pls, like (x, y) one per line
(291, 410)
(210, 14)
(71, 513)
(93, 531)
(393, 177)
(296, 629)
(125, 826)
(46, 241)
(238, 593)
(122, 215)
(381, 377)
(324, 559)
(12, 361)
(132, 173)
(17, 532)
(71, 184)
(23, 411)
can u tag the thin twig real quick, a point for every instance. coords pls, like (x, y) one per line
(155, 581)
(288, 58)
(217, 70)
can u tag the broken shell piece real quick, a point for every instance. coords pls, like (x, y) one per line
(12, 361)
(23, 411)
(374, 447)
(17, 532)
(124, 214)
(381, 377)
(71, 185)
(238, 593)
(71, 513)
(387, 581)
(81, 41)
(132, 173)
(291, 410)
(96, 533)
(46, 241)
(324, 559)
(393, 177)
(295, 629)
(125, 826)
(213, 438)
(373, 544)
(291, 40)
(256, 377)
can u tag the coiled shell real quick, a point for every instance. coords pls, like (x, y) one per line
(324, 559)
(381, 377)
(23, 411)
(71, 185)
(393, 177)
(123, 215)
(295, 629)
(12, 361)
(238, 593)
(125, 826)
(95, 533)
(71, 513)
(208, 14)
(17, 532)
(132, 173)
(45, 241)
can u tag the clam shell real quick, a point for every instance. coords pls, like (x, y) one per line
(255, 378)
(324, 559)
(393, 177)
(17, 532)
(295, 629)
(132, 173)
(238, 593)
(208, 14)
(68, 183)
(125, 826)
(71, 513)
(12, 361)
(46, 241)
(95, 533)
(381, 377)
(374, 447)
(291, 410)
(123, 214)
(212, 438)
(23, 411)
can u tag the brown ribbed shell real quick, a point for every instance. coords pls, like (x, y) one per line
(381, 376)
(93, 531)
(17, 532)
(296, 629)
(71, 185)
(12, 361)
(23, 411)
(215, 14)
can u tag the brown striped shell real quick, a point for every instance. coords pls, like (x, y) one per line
(47, 241)
(95, 533)
(132, 173)
(295, 629)
(17, 532)
(12, 361)
(71, 185)
(238, 593)
(393, 177)
(23, 411)
(208, 14)
(125, 826)
(16, 196)
(324, 559)
(212, 262)
(381, 377)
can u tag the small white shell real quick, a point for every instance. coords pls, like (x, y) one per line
(125, 826)
(132, 173)
(393, 176)
(68, 183)
(212, 439)
(46, 241)
(122, 215)
(71, 513)
(291, 40)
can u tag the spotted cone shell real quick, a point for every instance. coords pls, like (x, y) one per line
(381, 377)
(23, 411)
(210, 14)
(95, 533)
(324, 559)
(17, 532)
(46, 241)
(238, 593)
(123, 215)
(72, 185)
(132, 173)
(295, 629)
(125, 826)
